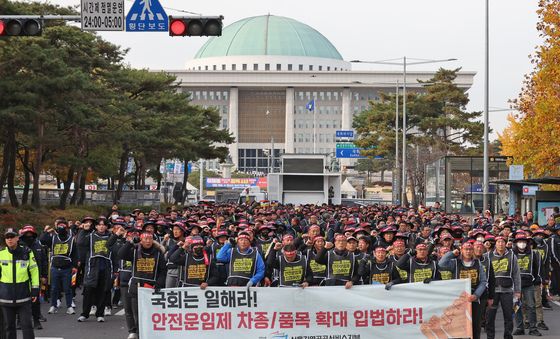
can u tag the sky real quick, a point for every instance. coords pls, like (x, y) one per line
(377, 30)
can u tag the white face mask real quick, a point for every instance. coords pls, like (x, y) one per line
(521, 245)
(481, 239)
(114, 216)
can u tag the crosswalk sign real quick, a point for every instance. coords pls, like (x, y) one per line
(147, 16)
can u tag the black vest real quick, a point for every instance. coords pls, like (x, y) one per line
(145, 267)
(319, 271)
(502, 268)
(195, 271)
(340, 268)
(292, 273)
(242, 267)
(420, 271)
(98, 246)
(471, 273)
(525, 264)
(62, 249)
(380, 273)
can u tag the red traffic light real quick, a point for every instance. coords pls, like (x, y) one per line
(195, 26)
(20, 27)
(177, 27)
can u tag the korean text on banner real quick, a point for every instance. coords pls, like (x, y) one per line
(437, 310)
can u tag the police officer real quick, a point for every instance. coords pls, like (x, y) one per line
(98, 269)
(342, 267)
(463, 265)
(508, 286)
(246, 265)
(293, 269)
(148, 268)
(19, 285)
(198, 267)
(28, 238)
(529, 263)
(64, 259)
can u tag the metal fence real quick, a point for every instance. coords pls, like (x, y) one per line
(96, 197)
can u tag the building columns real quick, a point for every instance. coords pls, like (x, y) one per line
(233, 124)
(346, 122)
(289, 129)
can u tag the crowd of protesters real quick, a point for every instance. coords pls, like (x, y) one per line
(510, 260)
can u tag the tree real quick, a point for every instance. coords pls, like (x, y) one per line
(532, 137)
(437, 125)
(374, 165)
(445, 125)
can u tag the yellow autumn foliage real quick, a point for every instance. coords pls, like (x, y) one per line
(532, 137)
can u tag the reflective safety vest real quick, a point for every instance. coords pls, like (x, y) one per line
(195, 271)
(380, 273)
(18, 275)
(502, 268)
(292, 273)
(242, 267)
(421, 271)
(468, 272)
(340, 267)
(319, 271)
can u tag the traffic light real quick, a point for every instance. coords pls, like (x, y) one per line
(195, 26)
(21, 27)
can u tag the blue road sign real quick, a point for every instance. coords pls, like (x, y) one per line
(349, 153)
(147, 16)
(344, 134)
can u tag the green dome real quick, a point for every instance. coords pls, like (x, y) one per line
(269, 35)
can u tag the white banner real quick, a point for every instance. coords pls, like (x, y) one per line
(436, 310)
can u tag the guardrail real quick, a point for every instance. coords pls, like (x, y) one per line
(49, 196)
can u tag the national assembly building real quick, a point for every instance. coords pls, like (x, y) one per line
(261, 75)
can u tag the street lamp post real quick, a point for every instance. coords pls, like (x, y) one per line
(486, 107)
(404, 63)
(397, 168)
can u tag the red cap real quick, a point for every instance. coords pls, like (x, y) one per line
(317, 238)
(339, 237)
(197, 241)
(243, 236)
(500, 238)
(380, 249)
(520, 236)
(146, 235)
(467, 245)
(286, 236)
(421, 246)
(27, 228)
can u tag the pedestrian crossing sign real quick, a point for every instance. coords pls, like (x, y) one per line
(147, 16)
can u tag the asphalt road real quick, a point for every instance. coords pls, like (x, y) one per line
(63, 326)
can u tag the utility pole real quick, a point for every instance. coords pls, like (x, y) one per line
(201, 178)
(485, 175)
